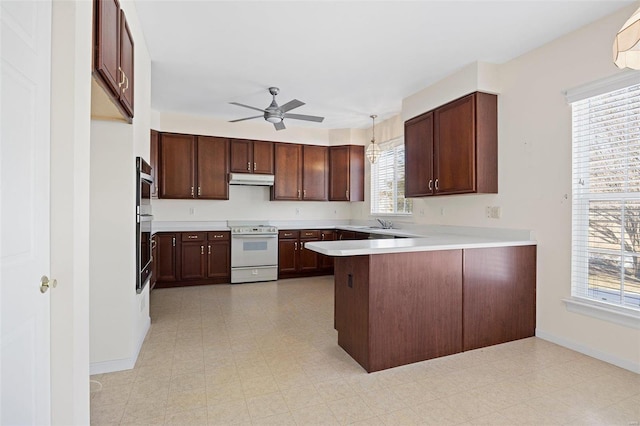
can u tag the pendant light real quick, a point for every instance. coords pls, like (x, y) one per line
(626, 45)
(373, 150)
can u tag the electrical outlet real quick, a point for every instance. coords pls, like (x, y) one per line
(297, 211)
(192, 210)
(442, 211)
(421, 212)
(493, 212)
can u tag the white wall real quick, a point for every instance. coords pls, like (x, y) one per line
(119, 317)
(250, 202)
(70, 106)
(534, 134)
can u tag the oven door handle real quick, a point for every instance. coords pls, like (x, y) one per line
(255, 236)
(145, 218)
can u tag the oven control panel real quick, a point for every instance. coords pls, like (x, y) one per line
(254, 230)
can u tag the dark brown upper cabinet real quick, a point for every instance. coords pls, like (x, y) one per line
(249, 156)
(315, 172)
(346, 173)
(113, 61)
(193, 167)
(454, 148)
(287, 172)
(153, 152)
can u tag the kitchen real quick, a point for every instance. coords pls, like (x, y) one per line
(534, 177)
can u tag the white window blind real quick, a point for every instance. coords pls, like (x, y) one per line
(606, 198)
(387, 180)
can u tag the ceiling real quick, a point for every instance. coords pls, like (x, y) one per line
(345, 59)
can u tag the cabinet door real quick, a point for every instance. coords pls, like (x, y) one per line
(218, 259)
(177, 168)
(454, 147)
(287, 256)
(154, 263)
(315, 167)
(309, 260)
(339, 173)
(193, 260)
(326, 262)
(346, 173)
(213, 168)
(418, 155)
(126, 64)
(288, 174)
(241, 156)
(154, 163)
(263, 157)
(166, 256)
(107, 48)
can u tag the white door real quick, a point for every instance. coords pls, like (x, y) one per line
(25, 50)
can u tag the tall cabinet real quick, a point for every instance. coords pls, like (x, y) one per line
(346, 173)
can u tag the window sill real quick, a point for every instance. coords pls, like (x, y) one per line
(615, 314)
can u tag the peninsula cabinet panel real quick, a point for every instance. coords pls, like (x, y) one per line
(418, 145)
(177, 165)
(346, 173)
(315, 172)
(287, 172)
(499, 295)
(213, 168)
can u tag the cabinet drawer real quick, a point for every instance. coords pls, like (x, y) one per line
(288, 234)
(309, 234)
(194, 236)
(327, 235)
(218, 236)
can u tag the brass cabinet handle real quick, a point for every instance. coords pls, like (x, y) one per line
(304, 193)
(218, 236)
(201, 249)
(209, 249)
(295, 245)
(254, 166)
(430, 184)
(298, 193)
(437, 186)
(123, 77)
(322, 235)
(173, 242)
(192, 191)
(249, 166)
(192, 237)
(199, 192)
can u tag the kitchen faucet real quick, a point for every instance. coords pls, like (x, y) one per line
(386, 224)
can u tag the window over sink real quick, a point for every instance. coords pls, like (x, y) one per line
(388, 180)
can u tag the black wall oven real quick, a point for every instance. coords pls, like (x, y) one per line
(144, 260)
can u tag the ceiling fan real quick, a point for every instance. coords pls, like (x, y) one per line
(276, 114)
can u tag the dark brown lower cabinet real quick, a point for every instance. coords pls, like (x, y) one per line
(295, 260)
(193, 258)
(400, 308)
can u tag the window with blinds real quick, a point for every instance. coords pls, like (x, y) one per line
(387, 180)
(606, 197)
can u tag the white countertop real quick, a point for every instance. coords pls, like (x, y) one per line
(407, 245)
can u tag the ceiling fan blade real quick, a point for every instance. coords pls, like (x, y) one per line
(304, 117)
(246, 106)
(279, 125)
(247, 118)
(291, 105)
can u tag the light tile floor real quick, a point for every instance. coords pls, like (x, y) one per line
(266, 353)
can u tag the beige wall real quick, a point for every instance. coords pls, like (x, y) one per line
(534, 131)
(119, 317)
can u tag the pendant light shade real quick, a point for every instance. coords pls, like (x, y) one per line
(373, 150)
(626, 46)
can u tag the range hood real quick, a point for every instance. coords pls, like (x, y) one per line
(250, 179)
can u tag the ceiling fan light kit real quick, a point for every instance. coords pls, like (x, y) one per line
(626, 45)
(276, 114)
(373, 151)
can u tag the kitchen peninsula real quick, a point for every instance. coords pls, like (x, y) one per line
(399, 301)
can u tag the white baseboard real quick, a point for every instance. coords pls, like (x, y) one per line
(121, 364)
(602, 356)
